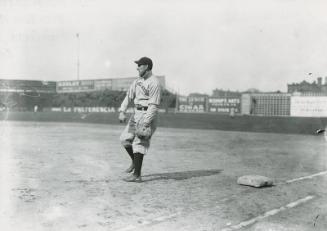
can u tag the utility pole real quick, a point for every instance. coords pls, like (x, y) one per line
(77, 37)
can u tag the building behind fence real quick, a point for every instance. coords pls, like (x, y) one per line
(300, 101)
(257, 104)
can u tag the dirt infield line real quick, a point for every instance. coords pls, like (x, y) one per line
(307, 177)
(272, 212)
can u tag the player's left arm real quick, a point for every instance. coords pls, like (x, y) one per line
(153, 103)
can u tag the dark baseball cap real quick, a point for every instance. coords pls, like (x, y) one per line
(145, 61)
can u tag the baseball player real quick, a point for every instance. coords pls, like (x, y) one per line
(145, 93)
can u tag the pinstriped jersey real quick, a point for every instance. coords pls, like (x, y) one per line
(145, 91)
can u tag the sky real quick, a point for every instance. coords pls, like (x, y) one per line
(199, 45)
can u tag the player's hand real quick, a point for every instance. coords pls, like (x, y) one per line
(143, 130)
(122, 117)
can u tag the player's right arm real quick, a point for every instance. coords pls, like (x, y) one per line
(124, 104)
(130, 95)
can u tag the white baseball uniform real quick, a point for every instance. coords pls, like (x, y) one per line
(146, 95)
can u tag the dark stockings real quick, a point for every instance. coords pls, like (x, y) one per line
(138, 160)
(129, 150)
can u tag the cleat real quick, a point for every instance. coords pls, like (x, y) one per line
(130, 169)
(133, 178)
(319, 131)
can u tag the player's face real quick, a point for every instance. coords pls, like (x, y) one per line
(142, 69)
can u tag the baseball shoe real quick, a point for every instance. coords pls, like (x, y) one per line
(130, 169)
(133, 178)
(319, 131)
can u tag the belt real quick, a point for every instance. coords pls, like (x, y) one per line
(141, 108)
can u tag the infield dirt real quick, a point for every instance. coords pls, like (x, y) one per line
(68, 176)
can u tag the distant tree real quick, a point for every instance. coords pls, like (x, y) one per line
(107, 98)
(198, 95)
(168, 100)
(225, 93)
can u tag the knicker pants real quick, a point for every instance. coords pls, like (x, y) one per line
(128, 137)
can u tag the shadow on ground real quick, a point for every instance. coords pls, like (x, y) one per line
(180, 175)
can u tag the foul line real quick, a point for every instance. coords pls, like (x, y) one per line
(307, 177)
(267, 214)
(244, 223)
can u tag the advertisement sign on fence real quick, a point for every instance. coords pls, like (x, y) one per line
(83, 109)
(309, 106)
(191, 104)
(224, 105)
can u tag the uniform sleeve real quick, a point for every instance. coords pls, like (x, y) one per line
(124, 105)
(155, 93)
(130, 95)
(151, 112)
(154, 101)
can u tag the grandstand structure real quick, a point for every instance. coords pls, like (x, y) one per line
(266, 104)
(89, 85)
(70, 86)
(36, 95)
(27, 86)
